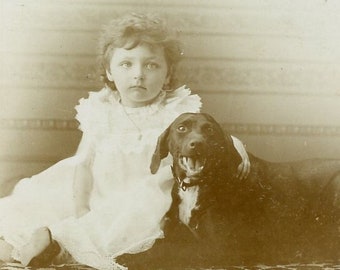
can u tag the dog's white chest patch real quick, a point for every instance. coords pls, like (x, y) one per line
(188, 203)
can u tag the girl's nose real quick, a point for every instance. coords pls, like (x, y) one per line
(139, 77)
(138, 73)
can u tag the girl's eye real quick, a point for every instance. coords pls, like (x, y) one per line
(182, 128)
(126, 64)
(151, 66)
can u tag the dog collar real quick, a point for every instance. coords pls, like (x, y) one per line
(183, 185)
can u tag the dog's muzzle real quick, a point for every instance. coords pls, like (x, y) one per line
(192, 166)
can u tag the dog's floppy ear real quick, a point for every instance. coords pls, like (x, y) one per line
(161, 151)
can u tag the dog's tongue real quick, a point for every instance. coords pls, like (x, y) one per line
(191, 163)
(194, 164)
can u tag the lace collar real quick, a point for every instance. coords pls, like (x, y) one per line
(144, 110)
(165, 98)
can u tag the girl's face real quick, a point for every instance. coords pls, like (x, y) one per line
(139, 74)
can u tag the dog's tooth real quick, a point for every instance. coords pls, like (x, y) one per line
(198, 164)
(191, 163)
(185, 161)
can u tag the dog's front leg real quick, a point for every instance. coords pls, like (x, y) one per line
(177, 249)
(164, 253)
(149, 259)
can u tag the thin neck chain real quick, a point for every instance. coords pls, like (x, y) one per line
(140, 135)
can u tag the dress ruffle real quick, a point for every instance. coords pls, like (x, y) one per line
(101, 114)
(92, 112)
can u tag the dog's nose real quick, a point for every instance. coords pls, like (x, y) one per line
(195, 144)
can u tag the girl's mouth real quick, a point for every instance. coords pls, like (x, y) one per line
(138, 87)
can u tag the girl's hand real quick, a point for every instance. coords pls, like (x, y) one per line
(244, 168)
(82, 211)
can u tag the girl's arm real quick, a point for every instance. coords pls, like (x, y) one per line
(244, 167)
(83, 180)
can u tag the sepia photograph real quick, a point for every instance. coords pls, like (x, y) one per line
(170, 134)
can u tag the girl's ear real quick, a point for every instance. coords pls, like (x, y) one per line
(169, 75)
(166, 85)
(109, 75)
(167, 79)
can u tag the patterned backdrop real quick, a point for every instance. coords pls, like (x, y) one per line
(267, 70)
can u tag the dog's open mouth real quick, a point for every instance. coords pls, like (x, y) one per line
(193, 166)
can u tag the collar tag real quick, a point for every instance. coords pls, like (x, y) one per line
(182, 185)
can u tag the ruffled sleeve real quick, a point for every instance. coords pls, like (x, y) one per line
(182, 101)
(83, 112)
(92, 112)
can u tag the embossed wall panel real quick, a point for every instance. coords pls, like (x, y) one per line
(259, 77)
(37, 145)
(40, 102)
(277, 109)
(269, 70)
(222, 75)
(231, 46)
(286, 148)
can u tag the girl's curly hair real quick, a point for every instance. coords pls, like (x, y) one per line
(130, 31)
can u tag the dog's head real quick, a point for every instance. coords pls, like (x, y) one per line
(198, 145)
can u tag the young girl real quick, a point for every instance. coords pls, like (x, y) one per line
(104, 201)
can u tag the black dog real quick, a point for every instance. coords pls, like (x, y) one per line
(282, 212)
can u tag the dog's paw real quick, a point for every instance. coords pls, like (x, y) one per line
(123, 259)
(130, 261)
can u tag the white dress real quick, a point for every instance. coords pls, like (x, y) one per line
(127, 202)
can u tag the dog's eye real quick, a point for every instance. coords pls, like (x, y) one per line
(182, 128)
